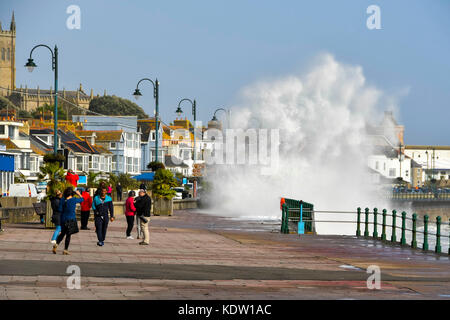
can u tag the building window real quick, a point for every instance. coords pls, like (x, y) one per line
(376, 165)
(392, 172)
(129, 164)
(153, 135)
(79, 163)
(112, 145)
(136, 165)
(3, 53)
(114, 163)
(407, 173)
(2, 129)
(8, 54)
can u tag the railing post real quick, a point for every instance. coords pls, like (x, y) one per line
(282, 217)
(449, 237)
(383, 229)
(394, 228)
(425, 232)
(438, 248)
(358, 222)
(366, 228)
(286, 223)
(414, 232)
(375, 225)
(403, 239)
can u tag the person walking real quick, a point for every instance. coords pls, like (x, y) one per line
(143, 186)
(101, 185)
(143, 206)
(69, 223)
(85, 209)
(119, 191)
(102, 206)
(56, 217)
(130, 210)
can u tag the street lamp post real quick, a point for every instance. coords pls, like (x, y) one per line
(226, 112)
(194, 112)
(31, 65)
(137, 94)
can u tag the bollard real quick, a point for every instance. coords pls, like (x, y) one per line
(438, 248)
(358, 222)
(383, 230)
(414, 232)
(425, 232)
(375, 232)
(394, 237)
(403, 239)
(366, 228)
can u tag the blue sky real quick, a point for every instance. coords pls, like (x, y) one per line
(210, 50)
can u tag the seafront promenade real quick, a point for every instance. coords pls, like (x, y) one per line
(193, 255)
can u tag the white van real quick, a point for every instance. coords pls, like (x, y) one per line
(23, 190)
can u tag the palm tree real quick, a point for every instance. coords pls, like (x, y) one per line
(91, 177)
(53, 174)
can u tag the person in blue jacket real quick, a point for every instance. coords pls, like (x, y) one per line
(102, 206)
(67, 207)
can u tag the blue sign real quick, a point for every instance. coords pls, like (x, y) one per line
(82, 180)
(184, 180)
(6, 162)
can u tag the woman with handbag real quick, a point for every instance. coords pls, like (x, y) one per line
(69, 223)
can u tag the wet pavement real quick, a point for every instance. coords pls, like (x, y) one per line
(199, 256)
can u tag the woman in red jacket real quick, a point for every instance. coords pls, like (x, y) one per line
(85, 209)
(130, 210)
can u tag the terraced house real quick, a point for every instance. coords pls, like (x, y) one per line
(81, 155)
(119, 135)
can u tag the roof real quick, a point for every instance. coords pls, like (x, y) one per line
(170, 164)
(68, 139)
(418, 147)
(61, 93)
(147, 176)
(9, 144)
(105, 136)
(146, 126)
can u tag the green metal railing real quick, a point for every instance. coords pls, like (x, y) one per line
(295, 211)
(403, 241)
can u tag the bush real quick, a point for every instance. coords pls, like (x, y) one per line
(155, 166)
(163, 183)
(51, 157)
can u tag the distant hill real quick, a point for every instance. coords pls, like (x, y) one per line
(115, 106)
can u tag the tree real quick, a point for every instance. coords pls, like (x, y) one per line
(155, 166)
(115, 106)
(163, 183)
(91, 178)
(128, 182)
(54, 175)
(46, 108)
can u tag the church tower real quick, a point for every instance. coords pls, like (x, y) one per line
(8, 57)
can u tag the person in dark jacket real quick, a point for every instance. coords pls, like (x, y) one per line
(56, 217)
(143, 206)
(102, 206)
(119, 191)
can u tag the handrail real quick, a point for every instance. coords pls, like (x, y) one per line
(368, 217)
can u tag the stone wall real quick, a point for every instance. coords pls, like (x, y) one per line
(185, 204)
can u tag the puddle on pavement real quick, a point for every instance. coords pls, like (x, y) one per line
(346, 266)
